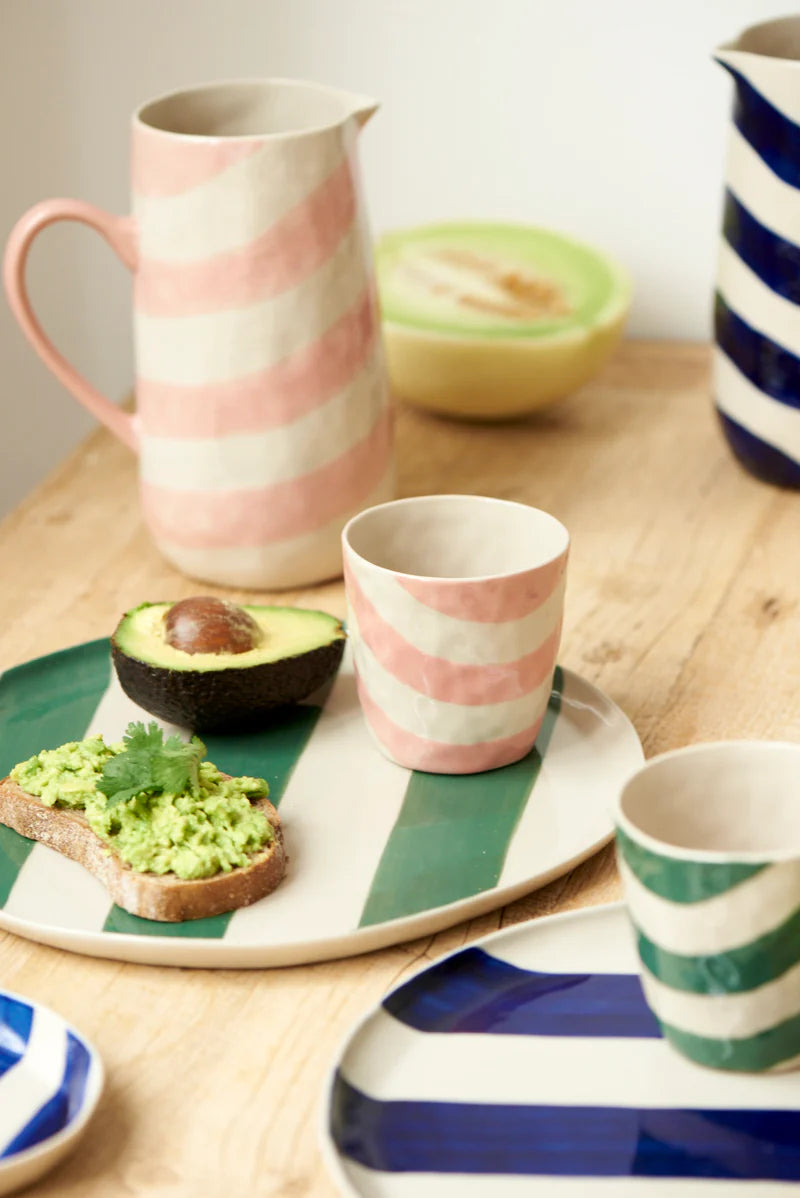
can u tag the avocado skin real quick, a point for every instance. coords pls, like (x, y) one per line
(228, 700)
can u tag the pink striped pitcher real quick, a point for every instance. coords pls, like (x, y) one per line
(262, 421)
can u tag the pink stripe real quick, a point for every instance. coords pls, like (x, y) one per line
(288, 252)
(450, 681)
(278, 395)
(257, 516)
(417, 753)
(165, 165)
(488, 601)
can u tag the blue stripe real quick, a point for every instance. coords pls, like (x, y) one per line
(772, 135)
(478, 1138)
(761, 459)
(16, 1019)
(774, 371)
(475, 992)
(63, 1106)
(768, 366)
(775, 260)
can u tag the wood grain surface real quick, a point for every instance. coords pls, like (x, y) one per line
(682, 604)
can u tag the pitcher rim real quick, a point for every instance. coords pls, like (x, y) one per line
(362, 107)
(733, 46)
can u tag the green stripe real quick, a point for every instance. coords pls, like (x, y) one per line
(682, 881)
(452, 834)
(752, 1055)
(271, 754)
(119, 920)
(731, 972)
(43, 704)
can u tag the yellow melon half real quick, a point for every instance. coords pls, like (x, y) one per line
(487, 322)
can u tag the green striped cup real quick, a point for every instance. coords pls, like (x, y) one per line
(708, 845)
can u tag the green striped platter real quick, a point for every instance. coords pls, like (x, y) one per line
(378, 854)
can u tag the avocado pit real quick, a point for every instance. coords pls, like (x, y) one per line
(210, 666)
(204, 624)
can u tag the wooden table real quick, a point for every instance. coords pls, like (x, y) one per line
(682, 605)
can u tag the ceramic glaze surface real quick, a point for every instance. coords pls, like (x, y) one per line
(757, 317)
(718, 929)
(377, 854)
(50, 1082)
(262, 417)
(530, 1063)
(454, 672)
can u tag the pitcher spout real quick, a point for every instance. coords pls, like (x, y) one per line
(774, 45)
(362, 108)
(733, 58)
(764, 62)
(727, 56)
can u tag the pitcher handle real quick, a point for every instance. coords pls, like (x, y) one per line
(120, 233)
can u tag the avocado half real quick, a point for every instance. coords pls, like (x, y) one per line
(488, 321)
(298, 651)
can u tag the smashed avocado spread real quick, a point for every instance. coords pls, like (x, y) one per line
(207, 827)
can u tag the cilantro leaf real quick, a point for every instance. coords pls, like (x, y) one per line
(177, 766)
(150, 765)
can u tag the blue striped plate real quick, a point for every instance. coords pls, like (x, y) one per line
(50, 1083)
(528, 1063)
(377, 854)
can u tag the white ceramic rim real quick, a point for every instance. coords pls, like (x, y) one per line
(95, 1083)
(359, 104)
(735, 47)
(480, 499)
(703, 856)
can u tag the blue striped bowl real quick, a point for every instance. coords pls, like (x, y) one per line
(757, 311)
(530, 1063)
(50, 1083)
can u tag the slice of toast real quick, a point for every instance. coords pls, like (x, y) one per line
(165, 897)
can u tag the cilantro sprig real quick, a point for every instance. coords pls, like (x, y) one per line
(151, 765)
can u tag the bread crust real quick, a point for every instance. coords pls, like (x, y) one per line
(164, 897)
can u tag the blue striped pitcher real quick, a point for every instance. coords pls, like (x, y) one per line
(757, 303)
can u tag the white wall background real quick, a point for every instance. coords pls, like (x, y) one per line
(601, 117)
